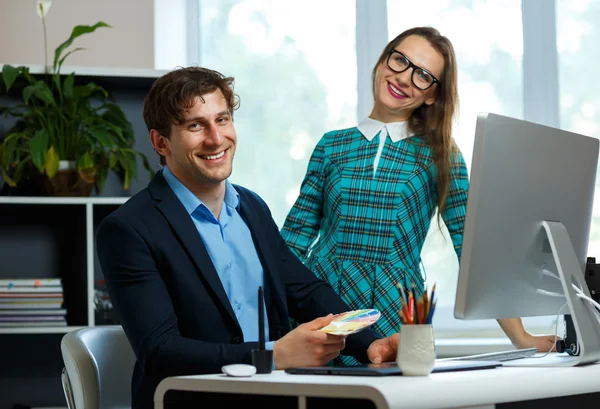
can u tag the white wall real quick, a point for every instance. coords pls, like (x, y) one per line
(128, 43)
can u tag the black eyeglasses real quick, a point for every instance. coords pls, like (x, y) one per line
(398, 63)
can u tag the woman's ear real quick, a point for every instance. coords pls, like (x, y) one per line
(432, 96)
(430, 100)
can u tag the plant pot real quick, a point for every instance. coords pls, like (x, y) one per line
(69, 182)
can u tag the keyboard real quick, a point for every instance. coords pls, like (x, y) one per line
(499, 356)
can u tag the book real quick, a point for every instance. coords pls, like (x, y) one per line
(57, 311)
(30, 282)
(25, 318)
(30, 297)
(12, 290)
(33, 324)
(30, 305)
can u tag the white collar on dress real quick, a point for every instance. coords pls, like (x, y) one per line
(370, 127)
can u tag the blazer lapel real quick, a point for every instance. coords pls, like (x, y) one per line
(265, 251)
(184, 227)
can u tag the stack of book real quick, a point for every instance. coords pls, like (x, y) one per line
(32, 303)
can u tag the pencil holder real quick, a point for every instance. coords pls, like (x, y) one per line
(416, 353)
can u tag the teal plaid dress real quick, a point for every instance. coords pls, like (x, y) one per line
(363, 233)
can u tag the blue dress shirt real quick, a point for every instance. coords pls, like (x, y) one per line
(229, 243)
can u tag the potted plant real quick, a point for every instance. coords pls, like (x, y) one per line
(69, 134)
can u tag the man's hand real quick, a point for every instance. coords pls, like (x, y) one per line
(305, 346)
(384, 350)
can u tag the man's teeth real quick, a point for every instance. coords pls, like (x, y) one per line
(214, 156)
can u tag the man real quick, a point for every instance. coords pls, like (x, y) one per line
(183, 259)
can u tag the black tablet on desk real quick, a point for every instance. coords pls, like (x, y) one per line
(390, 368)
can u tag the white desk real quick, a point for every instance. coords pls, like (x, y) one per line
(465, 389)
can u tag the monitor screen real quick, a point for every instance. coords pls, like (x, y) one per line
(521, 175)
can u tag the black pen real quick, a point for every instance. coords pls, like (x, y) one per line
(261, 319)
(262, 359)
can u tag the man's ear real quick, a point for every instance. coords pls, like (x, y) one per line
(159, 143)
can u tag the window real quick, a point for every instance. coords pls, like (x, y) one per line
(490, 80)
(579, 68)
(295, 72)
(299, 73)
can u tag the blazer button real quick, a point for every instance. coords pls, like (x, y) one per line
(236, 340)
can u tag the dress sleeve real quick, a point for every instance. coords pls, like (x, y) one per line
(456, 201)
(302, 224)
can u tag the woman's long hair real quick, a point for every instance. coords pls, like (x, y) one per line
(434, 122)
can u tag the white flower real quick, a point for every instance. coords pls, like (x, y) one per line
(42, 7)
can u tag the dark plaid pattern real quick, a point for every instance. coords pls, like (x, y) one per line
(363, 233)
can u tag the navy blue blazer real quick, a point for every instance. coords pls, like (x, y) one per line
(171, 303)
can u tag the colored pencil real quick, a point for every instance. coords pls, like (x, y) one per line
(430, 301)
(430, 318)
(403, 301)
(416, 309)
(411, 307)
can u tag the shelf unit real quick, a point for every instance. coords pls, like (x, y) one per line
(60, 232)
(49, 226)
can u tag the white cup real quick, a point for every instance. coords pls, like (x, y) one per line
(416, 353)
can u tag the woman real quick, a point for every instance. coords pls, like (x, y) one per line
(371, 191)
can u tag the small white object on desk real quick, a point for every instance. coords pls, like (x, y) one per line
(239, 370)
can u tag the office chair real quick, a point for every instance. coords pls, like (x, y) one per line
(98, 366)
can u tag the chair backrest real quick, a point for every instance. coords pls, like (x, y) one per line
(99, 363)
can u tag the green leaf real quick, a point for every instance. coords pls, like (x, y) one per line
(27, 75)
(62, 60)
(115, 115)
(41, 90)
(86, 161)
(84, 91)
(77, 31)
(9, 75)
(112, 160)
(7, 179)
(38, 146)
(126, 179)
(132, 165)
(9, 149)
(52, 160)
(125, 165)
(101, 178)
(56, 82)
(27, 93)
(117, 138)
(20, 169)
(103, 136)
(68, 86)
(146, 164)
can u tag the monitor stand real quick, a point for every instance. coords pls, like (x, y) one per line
(585, 321)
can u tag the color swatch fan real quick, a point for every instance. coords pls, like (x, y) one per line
(351, 322)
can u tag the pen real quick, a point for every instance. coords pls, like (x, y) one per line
(261, 319)
(262, 358)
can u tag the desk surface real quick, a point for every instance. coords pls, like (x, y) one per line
(438, 390)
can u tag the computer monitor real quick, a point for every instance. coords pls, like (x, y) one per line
(527, 226)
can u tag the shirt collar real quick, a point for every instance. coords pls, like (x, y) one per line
(190, 201)
(370, 127)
